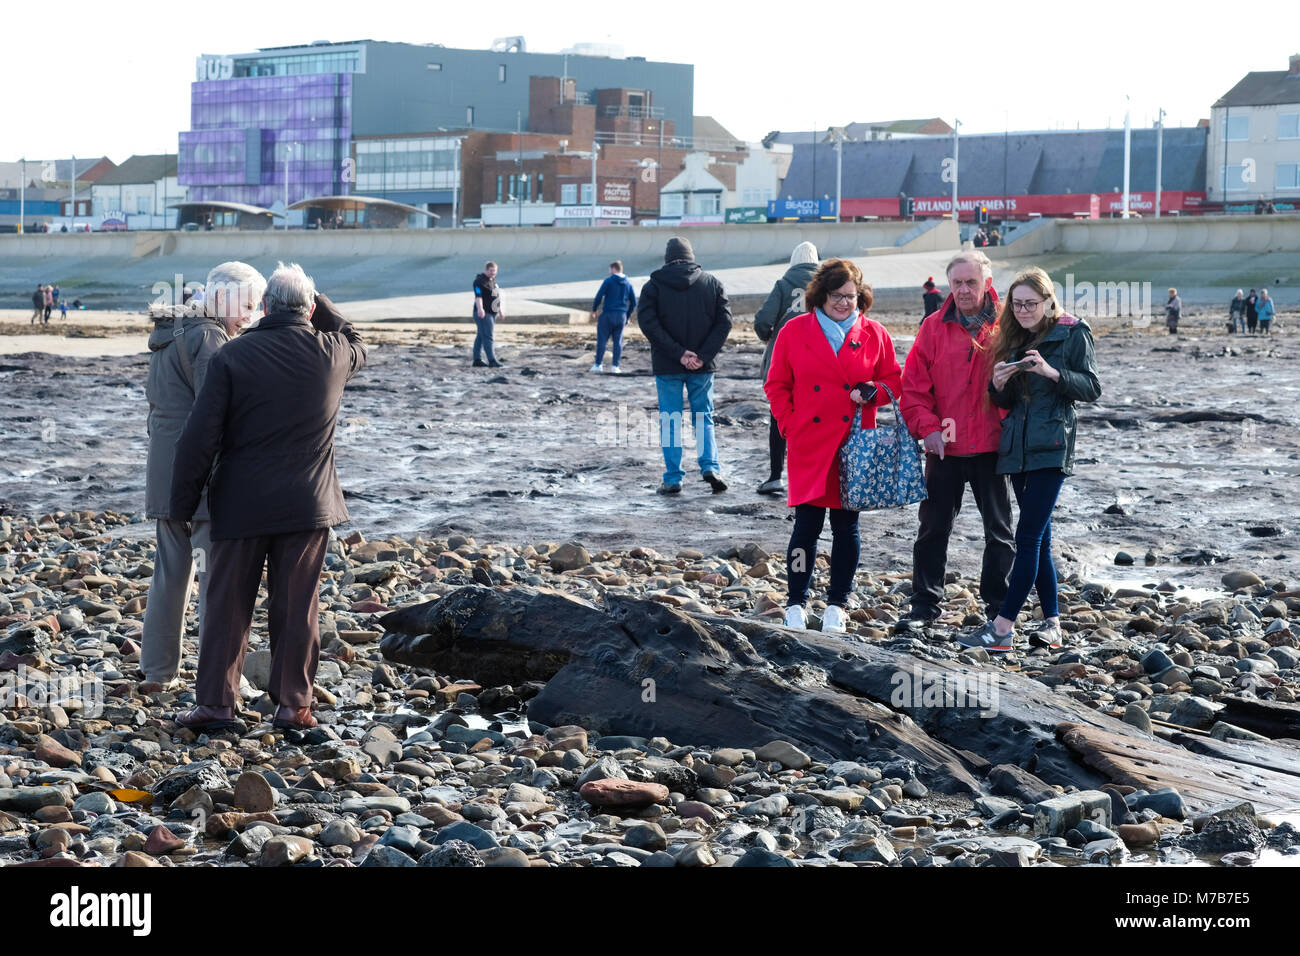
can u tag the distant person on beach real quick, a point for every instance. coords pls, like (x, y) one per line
(783, 303)
(268, 406)
(827, 365)
(981, 238)
(63, 309)
(1173, 311)
(487, 311)
(182, 346)
(995, 237)
(1237, 313)
(1252, 311)
(614, 302)
(1043, 365)
(38, 304)
(54, 296)
(931, 298)
(1265, 308)
(48, 303)
(945, 405)
(685, 316)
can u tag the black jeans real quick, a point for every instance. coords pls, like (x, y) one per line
(775, 450)
(946, 482)
(801, 556)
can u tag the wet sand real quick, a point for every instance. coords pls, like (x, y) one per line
(544, 450)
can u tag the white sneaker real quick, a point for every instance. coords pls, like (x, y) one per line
(794, 616)
(616, 370)
(597, 369)
(833, 620)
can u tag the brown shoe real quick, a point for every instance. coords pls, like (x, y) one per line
(208, 720)
(293, 718)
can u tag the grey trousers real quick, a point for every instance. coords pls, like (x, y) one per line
(177, 555)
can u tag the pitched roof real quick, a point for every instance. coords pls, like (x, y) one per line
(694, 179)
(1264, 88)
(1015, 164)
(140, 169)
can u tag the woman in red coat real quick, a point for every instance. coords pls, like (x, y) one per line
(822, 382)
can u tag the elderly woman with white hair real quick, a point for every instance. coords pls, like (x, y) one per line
(181, 346)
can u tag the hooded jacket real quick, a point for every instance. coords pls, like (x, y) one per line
(784, 302)
(683, 309)
(945, 380)
(174, 381)
(615, 296)
(1039, 432)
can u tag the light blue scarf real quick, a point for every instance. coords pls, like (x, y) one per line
(835, 332)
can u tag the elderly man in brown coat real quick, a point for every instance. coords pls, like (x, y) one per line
(181, 346)
(269, 406)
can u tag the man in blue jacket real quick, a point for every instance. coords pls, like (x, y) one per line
(613, 304)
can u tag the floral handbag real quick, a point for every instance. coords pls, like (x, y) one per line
(881, 467)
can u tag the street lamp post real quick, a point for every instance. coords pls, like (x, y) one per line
(519, 169)
(22, 197)
(956, 146)
(594, 149)
(287, 153)
(1160, 149)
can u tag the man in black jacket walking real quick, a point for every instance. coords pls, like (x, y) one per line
(268, 404)
(684, 314)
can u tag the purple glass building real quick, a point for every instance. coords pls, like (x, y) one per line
(244, 127)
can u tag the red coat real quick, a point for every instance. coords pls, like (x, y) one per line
(945, 384)
(808, 386)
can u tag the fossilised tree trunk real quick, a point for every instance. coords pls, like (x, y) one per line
(640, 667)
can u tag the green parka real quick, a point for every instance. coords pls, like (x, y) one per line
(1039, 429)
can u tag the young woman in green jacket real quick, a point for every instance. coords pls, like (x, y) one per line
(1043, 364)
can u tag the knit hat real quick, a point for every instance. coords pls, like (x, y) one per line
(804, 252)
(679, 248)
(929, 283)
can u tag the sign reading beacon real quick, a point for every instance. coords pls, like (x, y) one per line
(214, 68)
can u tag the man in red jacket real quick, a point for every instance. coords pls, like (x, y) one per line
(945, 404)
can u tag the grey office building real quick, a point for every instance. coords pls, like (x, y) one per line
(291, 115)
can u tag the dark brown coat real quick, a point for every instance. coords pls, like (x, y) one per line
(266, 413)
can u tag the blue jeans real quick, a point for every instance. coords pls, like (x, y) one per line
(1239, 320)
(1036, 493)
(699, 391)
(801, 555)
(483, 340)
(609, 328)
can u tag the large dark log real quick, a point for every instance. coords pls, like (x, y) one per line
(646, 669)
(741, 682)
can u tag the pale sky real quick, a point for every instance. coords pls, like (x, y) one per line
(91, 79)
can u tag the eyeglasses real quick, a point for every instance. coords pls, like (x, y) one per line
(1026, 305)
(844, 298)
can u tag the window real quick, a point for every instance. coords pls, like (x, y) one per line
(1288, 175)
(526, 187)
(501, 73)
(587, 197)
(1237, 129)
(568, 194)
(500, 189)
(1232, 177)
(1288, 126)
(540, 197)
(469, 116)
(142, 204)
(672, 204)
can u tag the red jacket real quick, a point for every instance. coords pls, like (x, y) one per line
(945, 384)
(808, 386)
